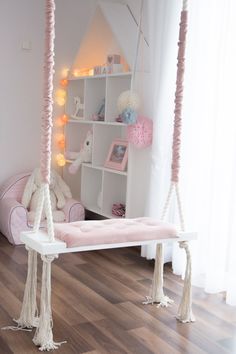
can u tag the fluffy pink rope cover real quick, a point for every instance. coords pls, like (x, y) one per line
(46, 136)
(179, 99)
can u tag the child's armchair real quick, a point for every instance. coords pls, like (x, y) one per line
(14, 216)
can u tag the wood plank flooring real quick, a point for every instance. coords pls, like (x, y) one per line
(97, 307)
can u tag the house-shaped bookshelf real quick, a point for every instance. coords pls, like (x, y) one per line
(112, 30)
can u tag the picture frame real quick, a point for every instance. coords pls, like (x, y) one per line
(117, 157)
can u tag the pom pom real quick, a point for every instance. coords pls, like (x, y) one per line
(128, 99)
(129, 116)
(140, 134)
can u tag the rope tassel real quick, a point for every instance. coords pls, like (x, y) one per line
(28, 316)
(157, 293)
(43, 336)
(29, 311)
(185, 309)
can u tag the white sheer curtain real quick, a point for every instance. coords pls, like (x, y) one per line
(208, 162)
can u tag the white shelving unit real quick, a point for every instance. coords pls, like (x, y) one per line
(93, 179)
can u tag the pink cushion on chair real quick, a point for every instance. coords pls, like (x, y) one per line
(88, 233)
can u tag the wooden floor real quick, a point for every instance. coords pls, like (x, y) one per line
(97, 307)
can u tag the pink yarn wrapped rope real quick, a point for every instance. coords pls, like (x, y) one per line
(179, 98)
(46, 137)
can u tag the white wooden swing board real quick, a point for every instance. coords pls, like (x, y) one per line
(39, 242)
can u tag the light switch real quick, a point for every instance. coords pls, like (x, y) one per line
(26, 45)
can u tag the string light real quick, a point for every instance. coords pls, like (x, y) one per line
(64, 83)
(64, 119)
(61, 101)
(76, 73)
(60, 159)
(61, 142)
(61, 93)
(65, 73)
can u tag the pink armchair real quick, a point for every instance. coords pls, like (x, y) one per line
(13, 216)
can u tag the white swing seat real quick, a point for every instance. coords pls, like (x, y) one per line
(104, 234)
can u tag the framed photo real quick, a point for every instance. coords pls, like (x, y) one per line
(118, 155)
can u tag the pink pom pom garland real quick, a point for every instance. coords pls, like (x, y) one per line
(140, 134)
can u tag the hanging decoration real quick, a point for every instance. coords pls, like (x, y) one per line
(140, 134)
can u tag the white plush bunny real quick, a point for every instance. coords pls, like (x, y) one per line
(58, 192)
(84, 155)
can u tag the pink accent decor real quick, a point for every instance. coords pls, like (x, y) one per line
(118, 155)
(46, 136)
(118, 209)
(179, 98)
(140, 134)
(88, 233)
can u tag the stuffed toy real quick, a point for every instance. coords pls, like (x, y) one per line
(59, 192)
(85, 153)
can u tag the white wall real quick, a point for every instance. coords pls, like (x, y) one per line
(21, 82)
(21, 72)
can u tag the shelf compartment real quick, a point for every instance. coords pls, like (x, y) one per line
(115, 86)
(103, 136)
(91, 186)
(95, 92)
(114, 191)
(75, 88)
(75, 137)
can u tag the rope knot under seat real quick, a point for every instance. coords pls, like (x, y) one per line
(49, 258)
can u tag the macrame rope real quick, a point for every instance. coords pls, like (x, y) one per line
(39, 208)
(185, 313)
(179, 99)
(157, 293)
(175, 164)
(48, 90)
(43, 335)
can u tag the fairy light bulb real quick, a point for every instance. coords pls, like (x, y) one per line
(76, 73)
(64, 83)
(61, 97)
(61, 161)
(61, 101)
(61, 93)
(61, 142)
(65, 73)
(64, 119)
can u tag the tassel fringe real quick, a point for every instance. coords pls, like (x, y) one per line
(185, 313)
(43, 336)
(157, 293)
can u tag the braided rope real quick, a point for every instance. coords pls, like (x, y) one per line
(175, 165)
(39, 209)
(46, 136)
(48, 212)
(180, 208)
(179, 99)
(167, 202)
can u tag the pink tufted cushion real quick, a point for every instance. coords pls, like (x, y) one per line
(86, 233)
